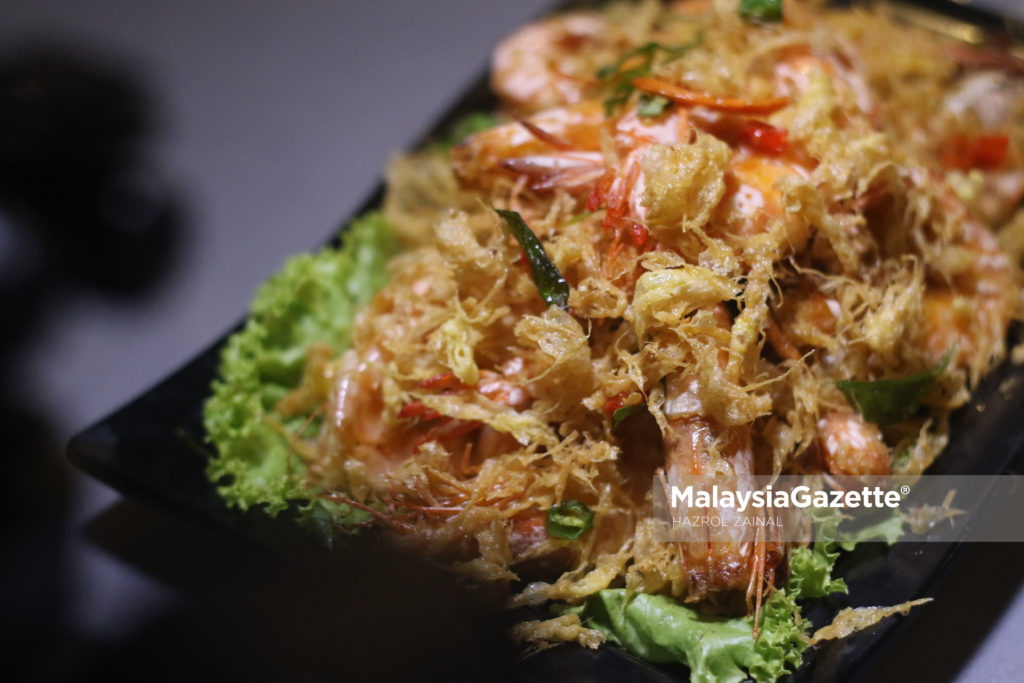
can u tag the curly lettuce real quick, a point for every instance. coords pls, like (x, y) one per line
(659, 629)
(313, 299)
(810, 568)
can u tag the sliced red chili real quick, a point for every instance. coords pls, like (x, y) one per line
(765, 138)
(615, 402)
(639, 234)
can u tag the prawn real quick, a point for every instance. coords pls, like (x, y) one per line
(734, 558)
(971, 308)
(551, 63)
(851, 446)
(793, 72)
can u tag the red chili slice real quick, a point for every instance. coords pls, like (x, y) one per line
(765, 138)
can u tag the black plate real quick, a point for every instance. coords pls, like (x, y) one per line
(153, 449)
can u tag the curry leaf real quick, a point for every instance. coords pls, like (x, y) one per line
(549, 281)
(892, 400)
(761, 10)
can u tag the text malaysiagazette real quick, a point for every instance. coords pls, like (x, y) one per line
(798, 497)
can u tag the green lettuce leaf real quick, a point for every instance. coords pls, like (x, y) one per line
(887, 530)
(660, 629)
(780, 645)
(314, 298)
(810, 571)
(810, 568)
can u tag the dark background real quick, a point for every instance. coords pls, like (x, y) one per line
(158, 161)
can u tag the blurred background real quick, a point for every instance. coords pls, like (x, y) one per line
(157, 162)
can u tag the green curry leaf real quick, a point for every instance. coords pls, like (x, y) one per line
(891, 400)
(761, 10)
(549, 281)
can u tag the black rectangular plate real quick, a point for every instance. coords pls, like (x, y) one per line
(153, 449)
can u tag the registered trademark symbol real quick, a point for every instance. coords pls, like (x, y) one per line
(904, 489)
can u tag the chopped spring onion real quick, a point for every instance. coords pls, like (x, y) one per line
(570, 519)
(652, 105)
(621, 82)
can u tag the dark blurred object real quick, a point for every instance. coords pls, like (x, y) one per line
(78, 201)
(368, 614)
(34, 505)
(79, 204)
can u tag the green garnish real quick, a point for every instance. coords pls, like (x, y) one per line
(900, 459)
(552, 286)
(313, 299)
(472, 123)
(811, 567)
(624, 412)
(761, 10)
(888, 401)
(647, 51)
(657, 628)
(651, 105)
(621, 82)
(570, 519)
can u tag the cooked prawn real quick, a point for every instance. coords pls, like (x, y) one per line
(551, 63)
(970, 306)
(732, 558)
(851, 446)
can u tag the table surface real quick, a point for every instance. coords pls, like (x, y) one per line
(274, 120)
